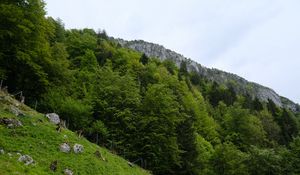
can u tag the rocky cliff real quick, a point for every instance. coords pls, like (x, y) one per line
(241, 85)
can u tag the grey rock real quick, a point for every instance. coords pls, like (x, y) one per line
(68, 172)
(9, 155)
(130, 164)
(53, 165)
(241, 86)
(53, 117)
(10, 122)
(16, 111)
(26, 159)
(10, 126)
(78, 148)
(65, 147)
(2, 151)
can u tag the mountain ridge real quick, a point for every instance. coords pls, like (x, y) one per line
(242, 86)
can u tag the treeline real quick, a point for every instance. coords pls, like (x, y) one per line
(161, 117)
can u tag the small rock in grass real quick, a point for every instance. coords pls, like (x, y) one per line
(68, 172)
(10, 123)
(53, 117)
(130, 164)
(9, 155)
(16, 111)
(65, 147)
(2, 151)
(53, 165)
(78, 148)
(26, 159)
(99, 155)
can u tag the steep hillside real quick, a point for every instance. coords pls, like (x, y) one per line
(240, 84)
(166, 119)
(23, 132)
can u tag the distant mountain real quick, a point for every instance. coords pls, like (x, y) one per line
(241, 85)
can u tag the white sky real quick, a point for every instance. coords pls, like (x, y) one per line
(256, 39)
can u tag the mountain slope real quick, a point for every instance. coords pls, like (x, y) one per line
(38, 138)
(241, 85)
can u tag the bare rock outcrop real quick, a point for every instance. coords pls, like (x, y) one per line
(241, 86)
(65, 147)
(77, 148)
(10, 122)
(26, 159)
(53, 117)
(68, 172)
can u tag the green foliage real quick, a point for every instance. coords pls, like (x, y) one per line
(76, 113)
(98, 131)
(23, 46)
(242, 128)
(265, 161)
(295, 155)
(59, 33)
(161, 108)
(170, 66)
(144, 59)
(289, 126)
(257, 105)
(60, 73)
(183, 71)
(229, 160)
(205, 152)
(78, 41)
(271, 106)
(272, 129)
(39, 139)
(88, 61)
(151, 112)
(219, 93)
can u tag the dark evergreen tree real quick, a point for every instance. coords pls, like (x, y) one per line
(289, 126)
(144, 59)
(257, 105)
(182, 70)
(187, 140)
(195, 78)
(275, 111)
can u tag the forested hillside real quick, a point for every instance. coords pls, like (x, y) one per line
(151, 112)
(31, 144)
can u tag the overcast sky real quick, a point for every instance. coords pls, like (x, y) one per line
(256, 39)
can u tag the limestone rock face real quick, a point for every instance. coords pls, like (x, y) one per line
(78, 148)
(65, 147)
(53, 117)
(26, 159)
(241, 86)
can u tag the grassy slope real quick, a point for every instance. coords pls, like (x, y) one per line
(39, 139)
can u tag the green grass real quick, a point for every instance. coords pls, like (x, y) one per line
(39, 139)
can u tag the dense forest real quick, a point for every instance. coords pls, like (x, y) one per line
(151, 112)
